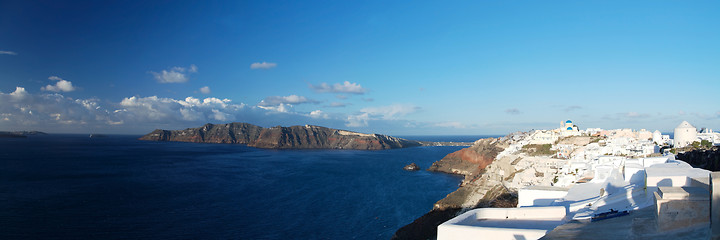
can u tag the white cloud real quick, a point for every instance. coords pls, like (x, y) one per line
(360, 120)
(262, 65)
(19, 94)
(205, 90)
(221, 116)
(340, 96)
(61, 86)
(292, 99)
(281, 108)
(391, 112)
(171, 76)
(25, 109)
(8, 53)
(190, 114)
(345, 87)
(175, 74)
(319, 114)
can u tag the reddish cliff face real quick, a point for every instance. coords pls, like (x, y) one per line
(471, 163)
(471, 160)
(294, 137)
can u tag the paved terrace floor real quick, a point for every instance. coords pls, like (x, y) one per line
(640, 224)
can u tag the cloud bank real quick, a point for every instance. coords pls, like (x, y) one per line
(54, 112)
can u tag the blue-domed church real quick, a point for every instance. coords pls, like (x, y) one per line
(568, 126)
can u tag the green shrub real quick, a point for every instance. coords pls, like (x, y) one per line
(538, 149)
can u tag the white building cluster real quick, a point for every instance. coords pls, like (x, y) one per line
(594, 174)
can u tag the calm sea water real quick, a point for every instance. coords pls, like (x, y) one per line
(72, 186)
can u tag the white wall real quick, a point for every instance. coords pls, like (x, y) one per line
(530, 196)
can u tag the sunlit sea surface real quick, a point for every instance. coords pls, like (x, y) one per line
(117, 187)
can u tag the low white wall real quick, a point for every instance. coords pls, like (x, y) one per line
(634, 173)
(675, 177)
(460, 232)
(539, 196)
(522, 213)
(647, 162)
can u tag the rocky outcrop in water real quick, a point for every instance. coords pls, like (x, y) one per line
(411, 167)
(294, 137)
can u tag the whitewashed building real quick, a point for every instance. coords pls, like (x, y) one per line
(685, 134)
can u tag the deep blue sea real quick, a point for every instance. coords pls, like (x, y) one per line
(117, 187)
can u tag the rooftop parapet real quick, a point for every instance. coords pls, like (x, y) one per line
(502, 223)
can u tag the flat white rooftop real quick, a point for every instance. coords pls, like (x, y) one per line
(502, 223)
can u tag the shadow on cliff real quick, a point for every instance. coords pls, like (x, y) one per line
(425, 227)
(708, 159)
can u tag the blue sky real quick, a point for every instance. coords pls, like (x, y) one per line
(397, 67)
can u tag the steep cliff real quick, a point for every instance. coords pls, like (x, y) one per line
(480, 188)
(294, 137)
(471, 160)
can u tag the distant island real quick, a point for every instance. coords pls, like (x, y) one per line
(19, 134)
(294, 137)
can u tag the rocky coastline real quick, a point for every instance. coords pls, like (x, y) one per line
(479, 188)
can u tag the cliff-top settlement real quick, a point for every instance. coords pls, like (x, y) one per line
(575, 184)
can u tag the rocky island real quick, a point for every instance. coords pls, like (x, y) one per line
(19, 134)
(294, 137)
